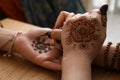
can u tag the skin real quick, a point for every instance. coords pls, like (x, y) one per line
(49, 57)
(82, 37)
(92, 20)
(100, 59)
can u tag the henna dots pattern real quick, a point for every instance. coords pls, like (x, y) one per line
(41, 45)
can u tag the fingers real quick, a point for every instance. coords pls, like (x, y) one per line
(61, 18)
(56, 34)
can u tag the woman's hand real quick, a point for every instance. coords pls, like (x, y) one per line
(83, 33)
(38, 48)
(82, 37)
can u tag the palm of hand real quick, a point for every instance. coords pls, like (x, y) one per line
(38, 48)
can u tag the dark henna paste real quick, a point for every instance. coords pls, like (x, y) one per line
(41, 45)
(48, 34)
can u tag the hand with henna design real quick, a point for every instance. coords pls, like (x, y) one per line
(82, 37)
(82, 31)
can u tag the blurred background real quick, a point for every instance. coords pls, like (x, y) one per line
(113, 28)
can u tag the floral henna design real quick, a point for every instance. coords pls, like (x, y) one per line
(41, 45)
(83, 31)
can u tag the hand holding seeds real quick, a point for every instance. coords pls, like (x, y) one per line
(39, 48)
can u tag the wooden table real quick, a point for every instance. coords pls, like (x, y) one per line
(18, 68)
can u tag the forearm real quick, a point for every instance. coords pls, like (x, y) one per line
(76, 67)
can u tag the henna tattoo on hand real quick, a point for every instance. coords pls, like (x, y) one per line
(83, 31)
(40, 44)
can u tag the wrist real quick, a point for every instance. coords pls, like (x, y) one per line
(18, 41)
(10, 43)
(76, 67)
(87, 55)
(6, 38)
(78, 56)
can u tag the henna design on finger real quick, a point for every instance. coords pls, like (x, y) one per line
(83, 31)
(104, 20)
(40, 45)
